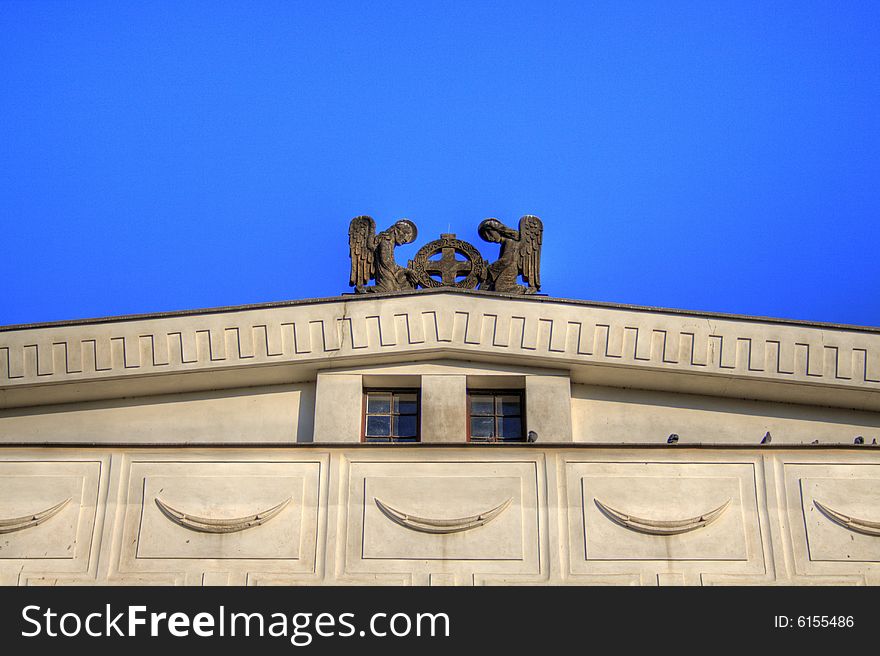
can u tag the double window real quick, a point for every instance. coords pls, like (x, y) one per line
(495, 416)
(391, 416)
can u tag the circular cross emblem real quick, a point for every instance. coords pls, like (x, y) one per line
(448, 270)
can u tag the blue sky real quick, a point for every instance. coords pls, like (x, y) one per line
(719, 156)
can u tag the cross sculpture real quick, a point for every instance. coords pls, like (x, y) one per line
(448, 267)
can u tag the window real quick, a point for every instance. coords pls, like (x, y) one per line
(391, 416)
(495, 416)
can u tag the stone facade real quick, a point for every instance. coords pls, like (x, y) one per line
(225, 447)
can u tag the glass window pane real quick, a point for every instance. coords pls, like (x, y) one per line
(481, 405)
(405, 404)
(482, 426)
(378, 403)
(405, 426)
(510, 427)
(379, 426)
(508, 405)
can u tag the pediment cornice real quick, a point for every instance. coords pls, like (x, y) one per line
(532, 331)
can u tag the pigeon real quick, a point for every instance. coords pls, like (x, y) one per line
(767, 438)
(859, 440)
(814, 442)
(532, 436)
(874, 442)
(672, 439)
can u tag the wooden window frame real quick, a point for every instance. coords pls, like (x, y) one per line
(521, 393)
(398, 390)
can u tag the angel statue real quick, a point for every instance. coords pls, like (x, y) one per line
(520, 255)
(372, 255)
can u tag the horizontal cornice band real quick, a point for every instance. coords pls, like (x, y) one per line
(547, 332)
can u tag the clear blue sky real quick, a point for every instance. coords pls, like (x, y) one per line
(720, 156)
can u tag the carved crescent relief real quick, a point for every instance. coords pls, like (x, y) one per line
(26, 521)
(858, 525)
(441, 526)
(209, 525)
(662, 527)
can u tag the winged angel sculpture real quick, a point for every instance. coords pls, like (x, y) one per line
(372, 255)
(520, 255)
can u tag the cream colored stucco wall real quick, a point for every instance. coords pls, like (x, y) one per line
(278, 413)
(625, 416)
(546, 524)
(249, 419)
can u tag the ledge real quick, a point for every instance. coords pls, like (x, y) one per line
(870, 450)
(604, 344)
(347, 297)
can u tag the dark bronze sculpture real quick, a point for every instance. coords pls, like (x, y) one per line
(456, 263)
(520, 255)
(464, 273)
(372, 255)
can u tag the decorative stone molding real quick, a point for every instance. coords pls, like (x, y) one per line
(441, 526)
(863, 526)
(213, 525)
(20, 523)
(662, 527)
(540, 331)
(539, 522)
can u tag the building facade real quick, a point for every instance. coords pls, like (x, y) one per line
(439, 437)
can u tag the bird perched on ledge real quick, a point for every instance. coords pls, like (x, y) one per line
(532, 436)
(672, 439)
(767, 438)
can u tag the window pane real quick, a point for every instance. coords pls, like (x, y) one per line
(508, 405)
(481, 405)
(379, 426)
(405, 426)
(482, 426)
(510, 427)
(378, 403)
(405, 404)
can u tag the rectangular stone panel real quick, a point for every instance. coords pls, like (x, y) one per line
(688, 512)
(443, 517)
(47, 509)
(221, 510)
(835, 511)
(445, 503)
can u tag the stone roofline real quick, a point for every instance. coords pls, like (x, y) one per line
(593, 343)
(350, 296)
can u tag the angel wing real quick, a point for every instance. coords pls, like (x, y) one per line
(361, 232)
(531, 231)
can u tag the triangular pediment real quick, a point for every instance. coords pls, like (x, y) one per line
(594, 343)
